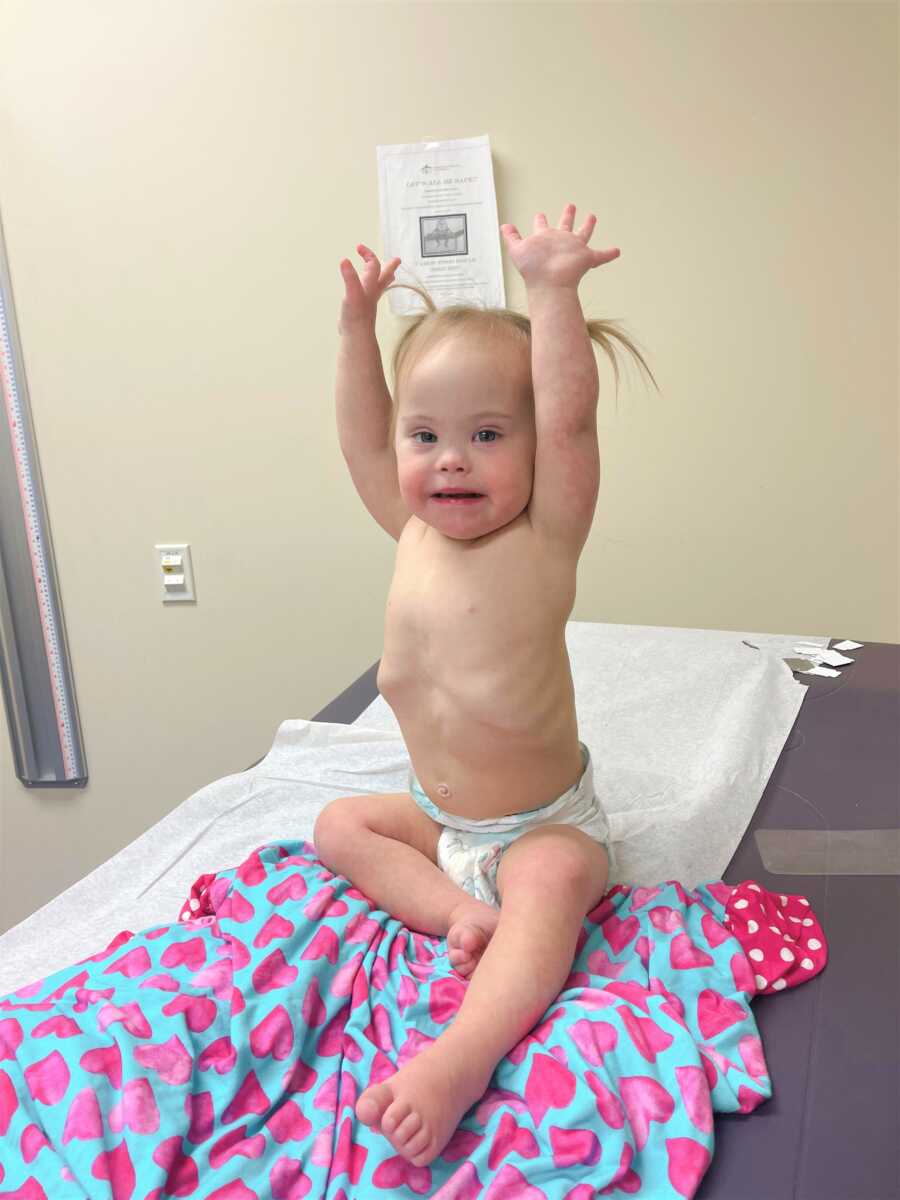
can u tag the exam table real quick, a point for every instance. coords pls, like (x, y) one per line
(832, 1128)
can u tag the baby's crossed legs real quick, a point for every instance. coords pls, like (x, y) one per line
(548, 879)
(387, 847)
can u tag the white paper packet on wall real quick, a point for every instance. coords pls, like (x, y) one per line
(439, 215)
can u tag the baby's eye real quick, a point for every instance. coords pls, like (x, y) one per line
(492, 435)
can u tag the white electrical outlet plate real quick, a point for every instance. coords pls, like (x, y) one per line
(175, 572)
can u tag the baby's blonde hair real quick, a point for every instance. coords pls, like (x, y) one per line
(435, 324)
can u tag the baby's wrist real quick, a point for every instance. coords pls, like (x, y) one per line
(549, 286)
(357, 327)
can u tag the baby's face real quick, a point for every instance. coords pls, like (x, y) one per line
(466, 421)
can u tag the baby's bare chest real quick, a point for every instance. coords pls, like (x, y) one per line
(477, 605)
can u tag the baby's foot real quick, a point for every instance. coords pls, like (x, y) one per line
(472, 924)
(419, 1108)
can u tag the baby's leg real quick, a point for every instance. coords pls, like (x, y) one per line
(387, 847)
(548, 879)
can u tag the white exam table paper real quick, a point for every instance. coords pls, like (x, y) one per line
(684, 727)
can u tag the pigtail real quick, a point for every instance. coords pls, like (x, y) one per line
(601, 332)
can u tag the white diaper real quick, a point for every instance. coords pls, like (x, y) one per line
(469, 852)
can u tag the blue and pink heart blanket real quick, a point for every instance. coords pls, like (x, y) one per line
(221, 1056)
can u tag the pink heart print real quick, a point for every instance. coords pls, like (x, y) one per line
(129, 1014)
(170, 1060)
(323, 904)
(234, 1144)
(48, 1079)
(191, 953)
(648, 1039)
(219, 1056)
(574, 1147)
(199, 1109)
(608, 1104)
(116, 1168)
(182, 1176)
(249, 1100)
(252, 870)
(549, 1085)
(684, 955)
(645, 1100)
(273, 972)
(105, 1060)
(275, 927)
(444, 999)
(313, 1009)
(716, 1012)
(619, 933)
(137, 1109)
(350, 980)
(750, 1049)
(292, 888)
(511, 1138)
(594, 1039)
(135, 962)
(694, 1088)
(199, 1012)
(10, 1038)
(396, 1173)
(288, 1124)
(643, 895)
(274, 1035)
(511, 1184)
(688, 1163)
(666, 919)
(714, 933)
(238, 908)
(84, 1120)
(464, 1183)
(325, 944)
(349, 1158)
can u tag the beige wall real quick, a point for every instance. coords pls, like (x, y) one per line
(179, 182)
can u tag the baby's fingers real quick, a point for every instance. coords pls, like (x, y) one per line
(373, 268)
(352, 284)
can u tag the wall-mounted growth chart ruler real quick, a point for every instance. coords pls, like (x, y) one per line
(35, 671)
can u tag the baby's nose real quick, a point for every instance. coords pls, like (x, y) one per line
(452, 457)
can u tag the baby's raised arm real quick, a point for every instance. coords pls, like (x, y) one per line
(362, 399)
(564, 375)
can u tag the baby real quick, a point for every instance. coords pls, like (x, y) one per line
(486, 473)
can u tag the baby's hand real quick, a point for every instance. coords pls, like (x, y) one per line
(556, 257)
(361, 296)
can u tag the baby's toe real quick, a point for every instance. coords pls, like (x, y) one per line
(406, 1130)
(395, 1116)
(465, 937)
(373, 1103)
(420, 1149)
